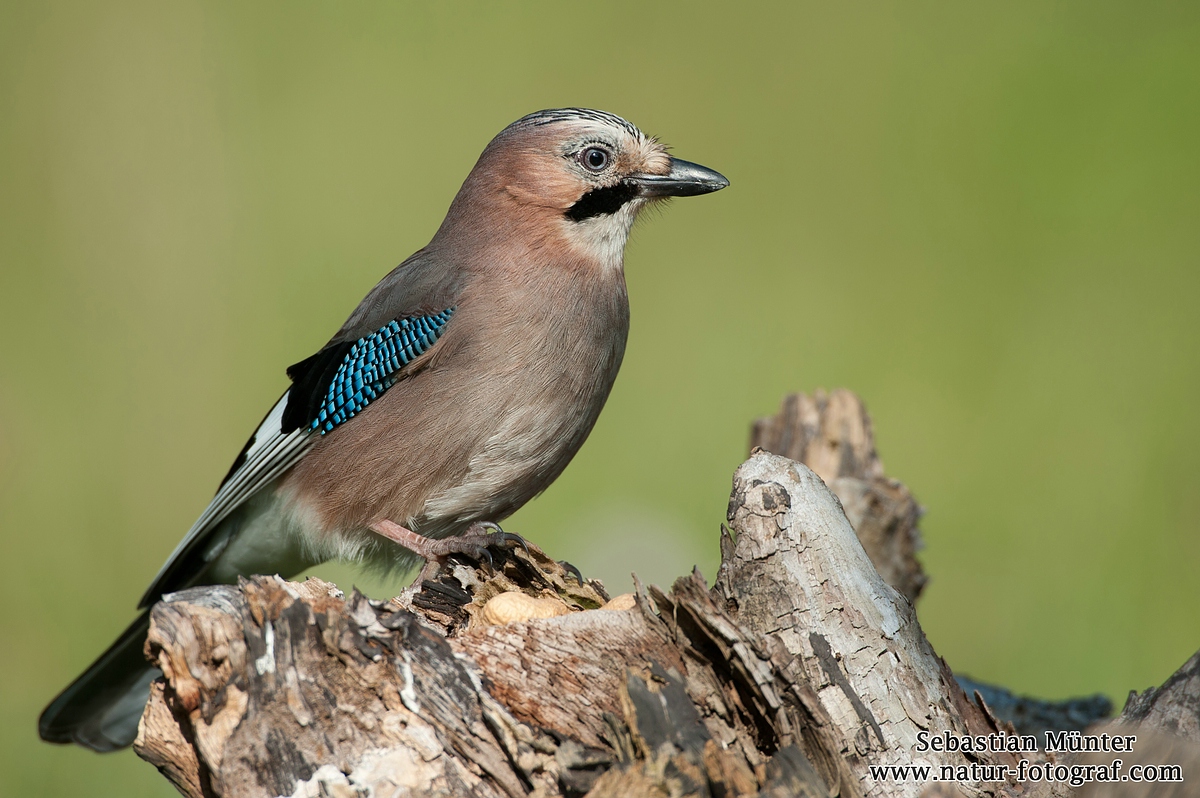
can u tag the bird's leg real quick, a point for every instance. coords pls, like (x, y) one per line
(474, 542)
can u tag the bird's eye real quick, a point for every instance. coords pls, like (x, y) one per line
(594, 159)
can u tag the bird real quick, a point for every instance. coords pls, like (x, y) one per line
(459, 388)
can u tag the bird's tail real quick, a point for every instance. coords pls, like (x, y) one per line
(101, 709)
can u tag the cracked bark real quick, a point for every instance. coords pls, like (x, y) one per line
(795, 673)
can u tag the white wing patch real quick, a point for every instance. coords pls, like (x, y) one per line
(269, 454)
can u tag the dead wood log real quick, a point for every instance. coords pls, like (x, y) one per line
(831, 434)
(793, 676)
(797, 576)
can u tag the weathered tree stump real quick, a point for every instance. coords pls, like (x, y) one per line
(795, 675)
(831, 434)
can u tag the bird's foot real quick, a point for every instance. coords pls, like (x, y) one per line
(476, 543)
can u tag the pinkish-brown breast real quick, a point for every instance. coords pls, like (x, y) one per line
(514, 386)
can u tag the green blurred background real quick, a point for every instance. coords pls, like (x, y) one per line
(982, 219)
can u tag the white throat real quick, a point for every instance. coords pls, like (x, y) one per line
(602, 238)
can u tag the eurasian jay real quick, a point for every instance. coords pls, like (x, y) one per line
(458, 389)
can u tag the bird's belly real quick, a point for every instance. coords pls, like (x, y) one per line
(529, 446)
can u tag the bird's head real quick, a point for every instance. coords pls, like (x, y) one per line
(576, 176)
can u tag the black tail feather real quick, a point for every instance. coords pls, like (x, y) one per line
(101, 709)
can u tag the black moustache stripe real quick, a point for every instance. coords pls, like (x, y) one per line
(602, 201)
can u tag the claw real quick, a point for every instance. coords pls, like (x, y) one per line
(571, 569)
(508, 537)
(496, 535)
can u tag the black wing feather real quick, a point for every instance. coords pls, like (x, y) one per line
(310, 382)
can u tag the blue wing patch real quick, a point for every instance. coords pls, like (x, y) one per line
(369, 368)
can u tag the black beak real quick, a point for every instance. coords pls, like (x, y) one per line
(686, 179)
